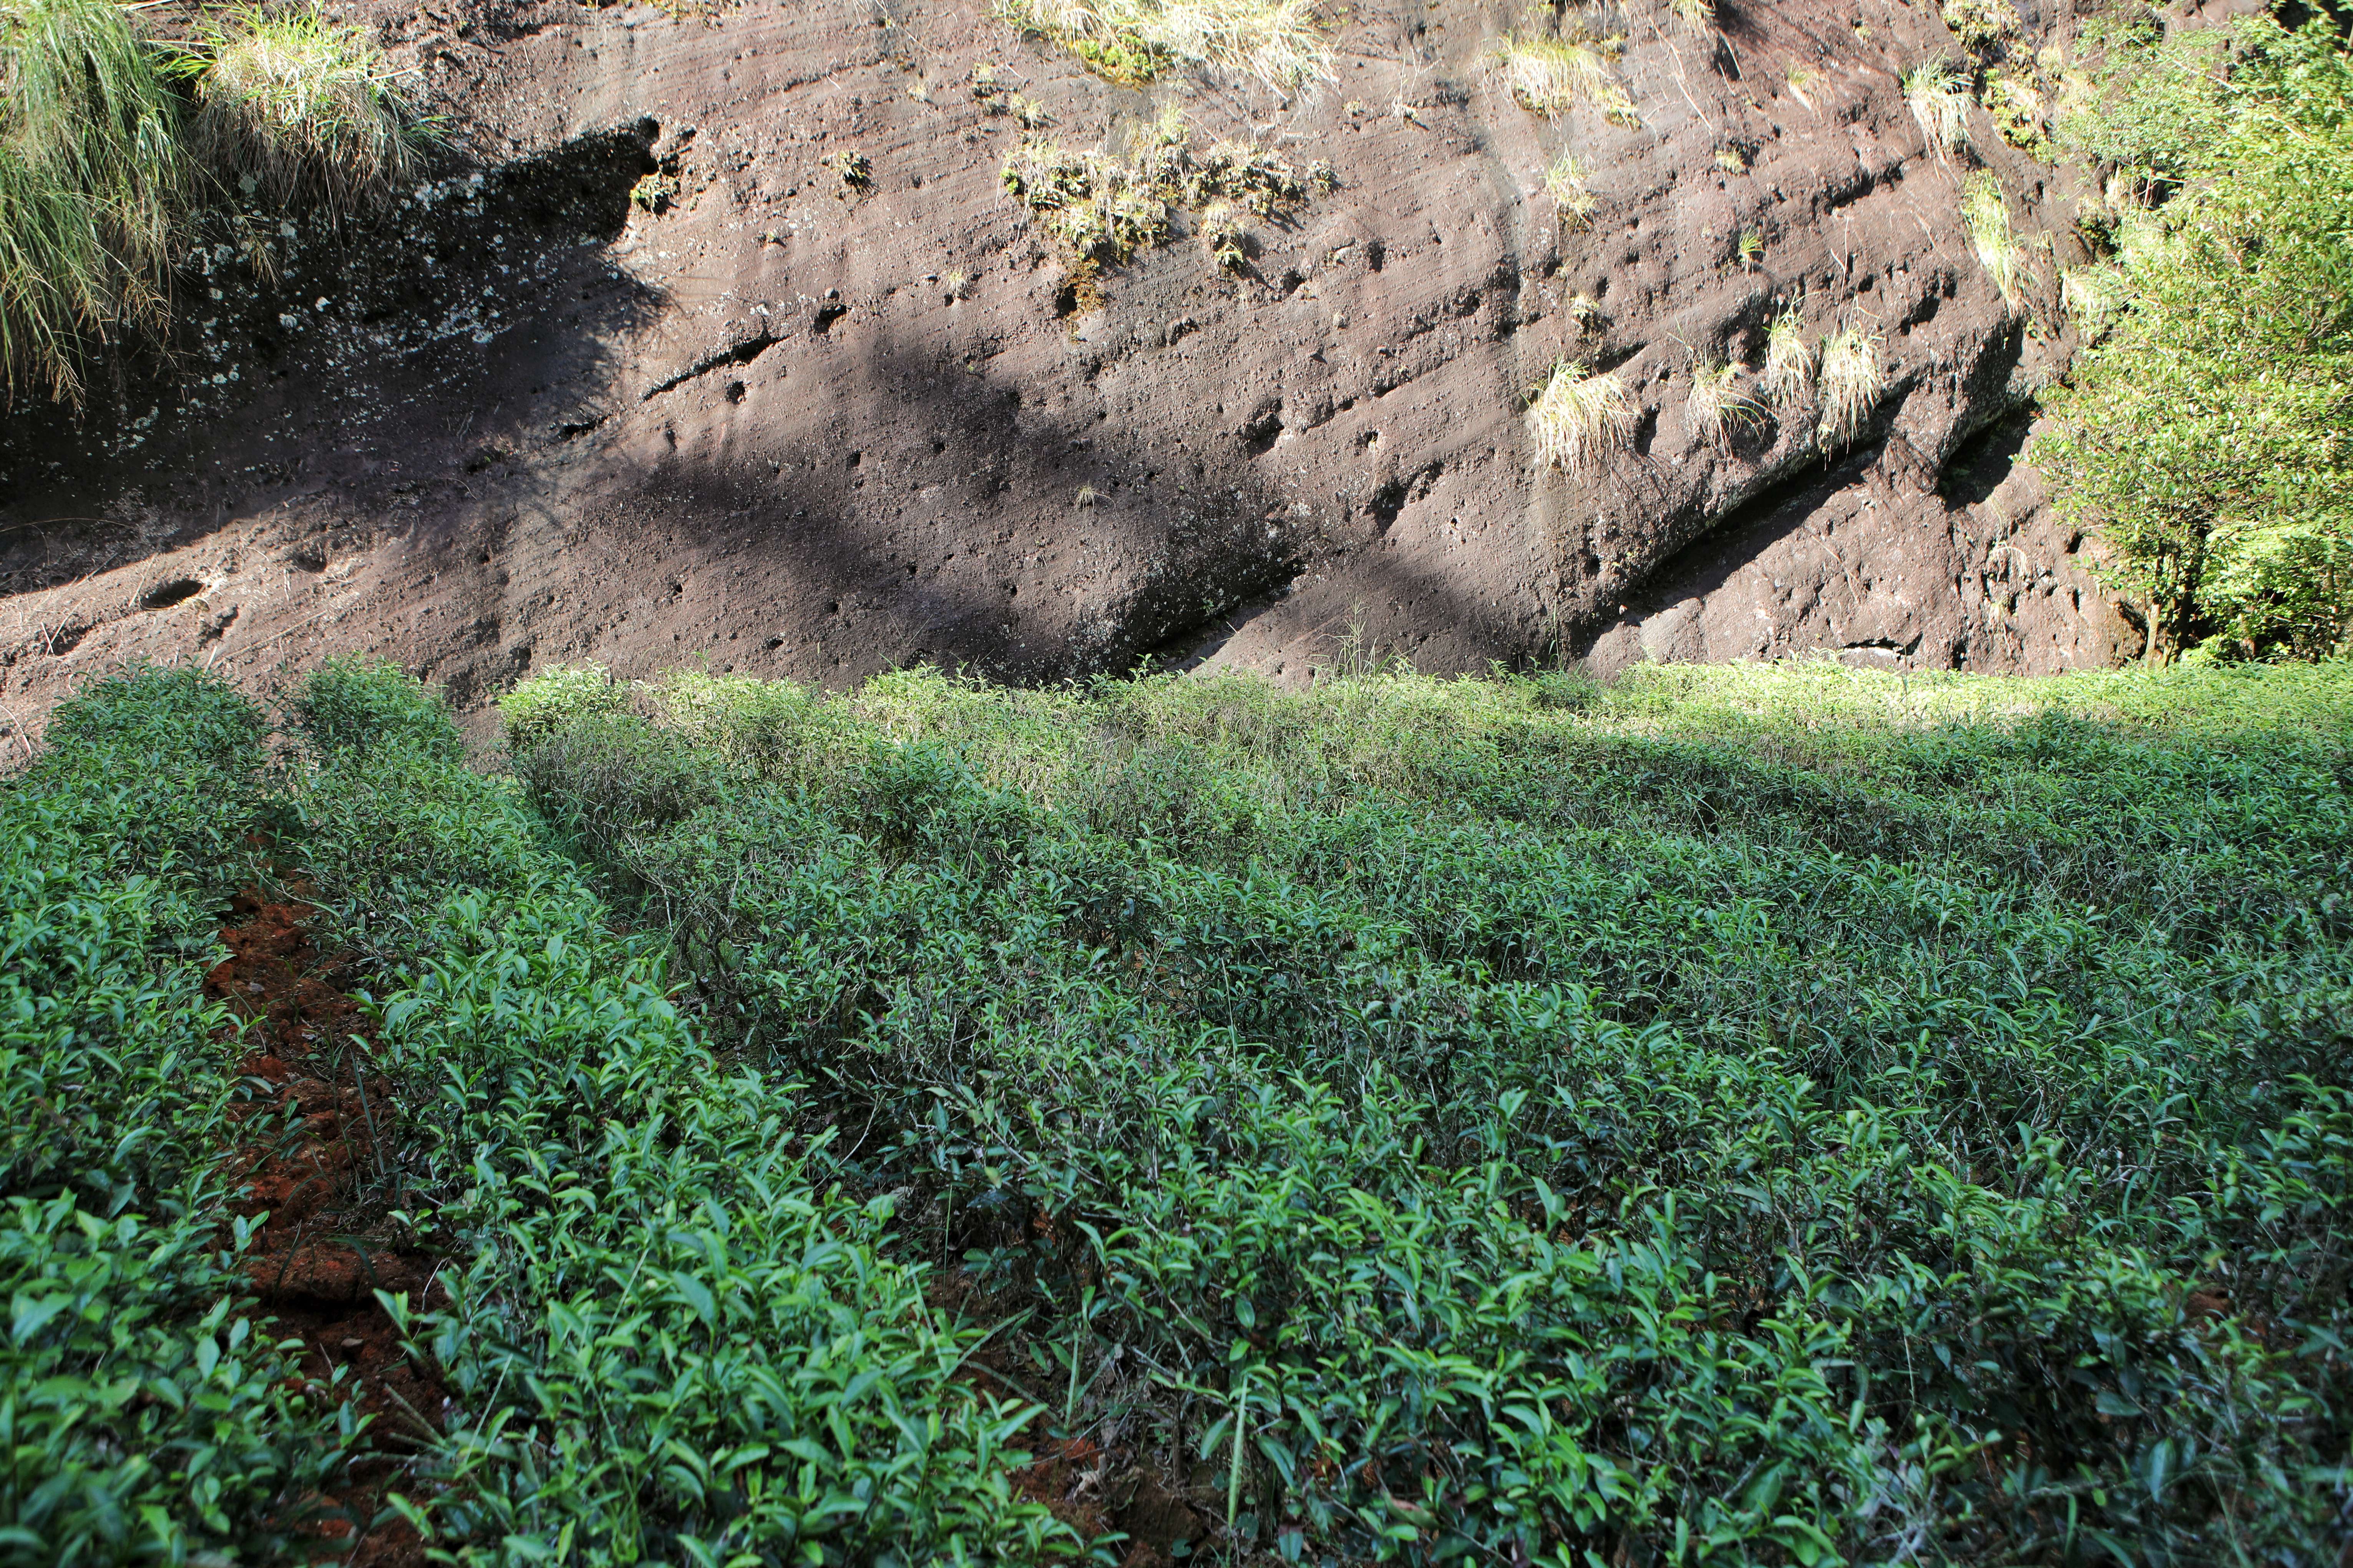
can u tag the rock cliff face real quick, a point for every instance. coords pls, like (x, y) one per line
(721, 338)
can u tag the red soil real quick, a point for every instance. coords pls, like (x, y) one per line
(318, 1167)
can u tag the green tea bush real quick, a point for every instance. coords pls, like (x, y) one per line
(666, 1339)
(355, 703)
(1765, 1115)
(552, 699)
(146, 1413)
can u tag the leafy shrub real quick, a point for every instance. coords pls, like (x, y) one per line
(356, 704)
(1766, 1111)
(149, 1414)
(547, 701)
(1757, 1113)
(665, 1338)
(2208, 441)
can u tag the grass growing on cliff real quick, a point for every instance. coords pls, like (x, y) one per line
(1549, 74)
(305, 105)
(1789, 367)
(104, 175)
(1852, 381)
(1825, 1115)
(1579, 420)
(1938, 94)
(95, 187)
(1564, 182)
(1132, 41)
(1713, 405)
(1986, 214)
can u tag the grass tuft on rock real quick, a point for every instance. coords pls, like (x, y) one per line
(1852, 381)
(1278, 42)
(1579, 420)
(1789, 358)
(1987, 216)
(1564, 182)
(306, 106)
(1548, 74)
(1938, 94)
(1714, 407)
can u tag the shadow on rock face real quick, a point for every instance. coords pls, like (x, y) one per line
(443, 318)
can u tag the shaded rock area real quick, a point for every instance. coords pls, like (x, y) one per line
(1974, 575)
(641, 376)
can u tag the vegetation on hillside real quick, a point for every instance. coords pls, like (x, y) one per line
(1749, 1115)
(1133, 41)
(115, 142)
(2209, 437)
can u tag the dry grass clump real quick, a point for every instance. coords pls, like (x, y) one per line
(1548, 74)
(95, 187)
(1988, 218)
(1852, 383)
(1939, 97)
(307, 106)
(1789, 358)
(1712, 407)
(1579, 420)
(1564, 183)
(1277, 41)
(1692, 15)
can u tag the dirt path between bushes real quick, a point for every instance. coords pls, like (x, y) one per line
(318, 1167)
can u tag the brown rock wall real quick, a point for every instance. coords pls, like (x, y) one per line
(798, 427)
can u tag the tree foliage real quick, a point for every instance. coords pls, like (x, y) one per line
(2209, 438)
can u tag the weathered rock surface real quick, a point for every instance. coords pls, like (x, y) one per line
(796, 426)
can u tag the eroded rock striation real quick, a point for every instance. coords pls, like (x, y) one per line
(720, 337)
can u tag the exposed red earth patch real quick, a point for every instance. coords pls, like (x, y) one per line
(315, 1168)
